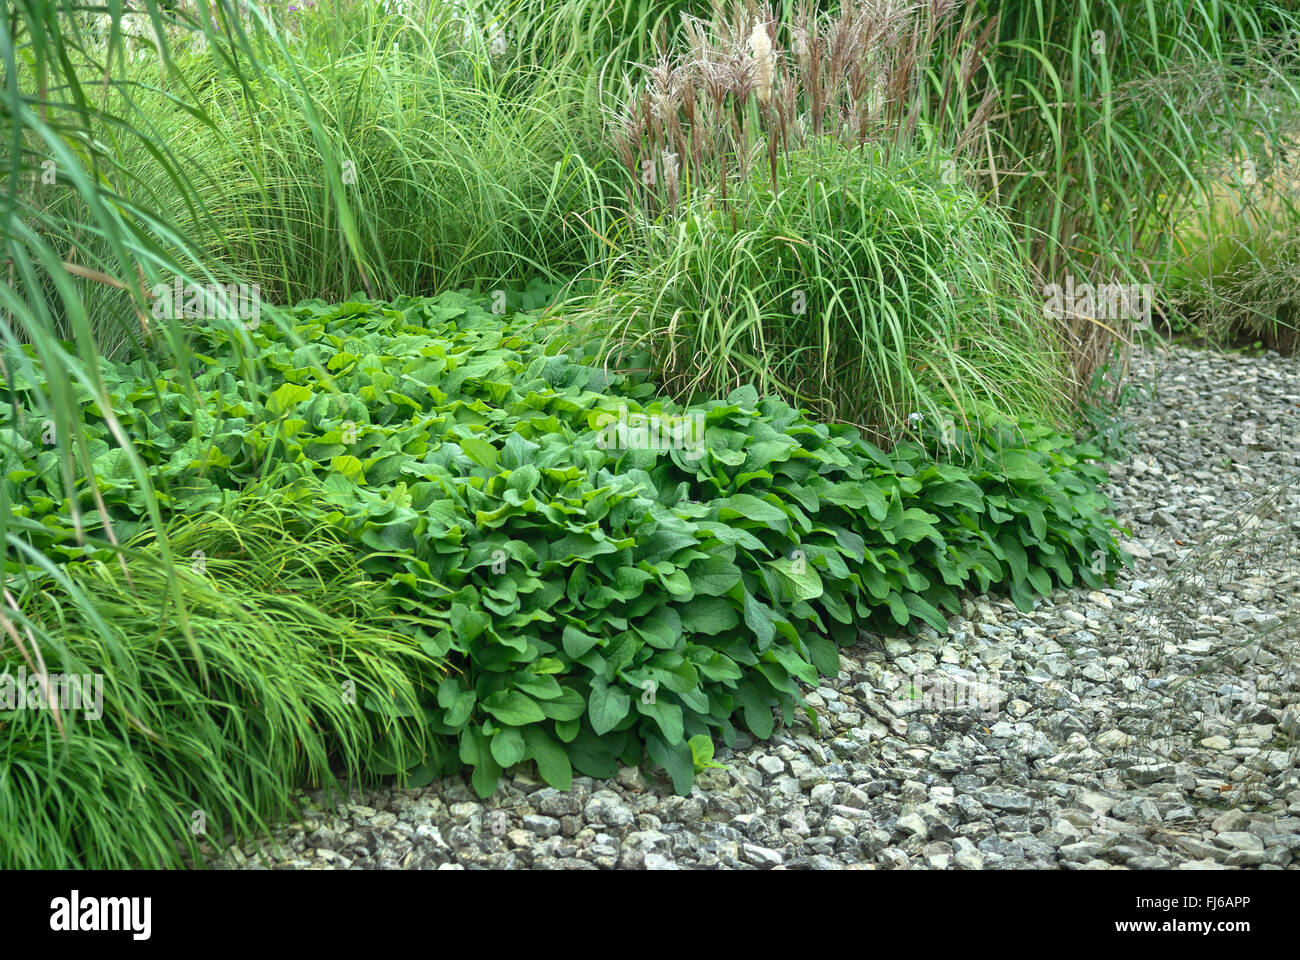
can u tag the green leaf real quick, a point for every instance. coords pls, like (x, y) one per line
(1040, 579)
(743, 506)
(758, 715)
(508, 746)
(475, 751)
(662, 628)
(713, 576)
(606, 706)
(514, 708)
(963, 493)
(898, 609)
(524, 479)
(457, 701)
(701, 747)
(568, 706)
(552, 761)
(286, 397)
(676, 759)
(480, 451)
(576, 643)
(858, 496)
(802, 579)
(758, 617)
(709, 617)
(822, 650)
(920, 607)
(349, 467)
(667, 715)
(592, 756)
(539, 687)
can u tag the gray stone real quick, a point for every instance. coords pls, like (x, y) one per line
(542, 826)
(1239, 840)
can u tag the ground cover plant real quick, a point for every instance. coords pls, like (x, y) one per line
(594, 598)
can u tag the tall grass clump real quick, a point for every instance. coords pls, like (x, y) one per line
(1104, 122)
(53, 263)
(796, 224)
(446, 167)
(308, 673)
(860, 288)
(1113, 120)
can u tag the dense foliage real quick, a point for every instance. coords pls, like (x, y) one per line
(592, 601)
(202, 716)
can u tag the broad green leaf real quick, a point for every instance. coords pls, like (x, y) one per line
(552, 761)
(513, 707)
(606, 706)
(508, 746)
(802, 579)
(676, 759)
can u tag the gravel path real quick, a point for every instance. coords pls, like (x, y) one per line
(1152, 725)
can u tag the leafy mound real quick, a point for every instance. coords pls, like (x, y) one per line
(595, 603)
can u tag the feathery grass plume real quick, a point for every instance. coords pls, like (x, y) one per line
(1094, 124)
(760, 48)
(856, 76)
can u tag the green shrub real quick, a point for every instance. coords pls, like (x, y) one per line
(596, 603)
